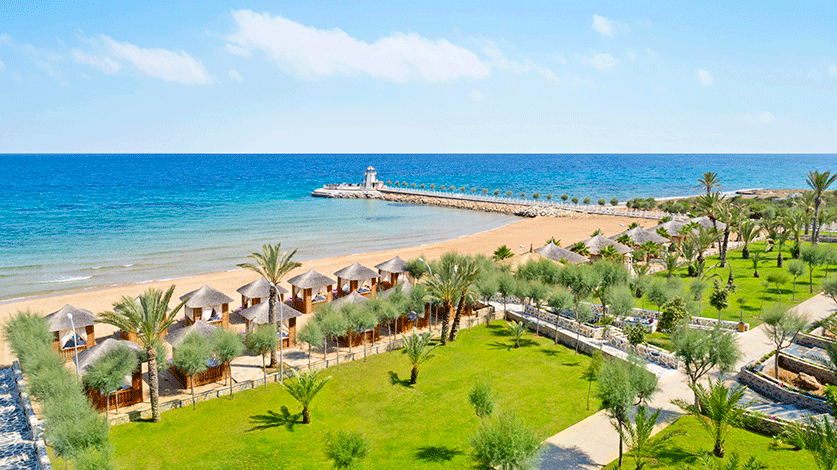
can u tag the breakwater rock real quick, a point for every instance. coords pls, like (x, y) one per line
(519, 210)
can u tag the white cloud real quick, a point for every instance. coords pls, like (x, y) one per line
(477, 96)
(602, 61)
(238, 50)
(705, 77)
(105, 64)
(310, 52)
(602, 25)
(42, 58)
(500, 62)
(607, 27)
(765, 117)
(832, 70)
(164, 64)
(236, 76)
(5, 39)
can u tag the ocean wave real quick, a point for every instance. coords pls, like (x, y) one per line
(62, 279)
(23, 267)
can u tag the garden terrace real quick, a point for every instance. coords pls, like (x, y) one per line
(424, 426)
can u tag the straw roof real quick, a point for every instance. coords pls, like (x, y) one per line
(405, 287)
(259, 289)
(353, 298)
(707, 222)
(205, 297)
(311, 280)
(556, 253)
(596, 243)
(58, 321)
(395, 265)
(673, 227)
(638, 236)
(518, 260)
(177, 336)
(258, 313)
(90, 355)
(356, 272)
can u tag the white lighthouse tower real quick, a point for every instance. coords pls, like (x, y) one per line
(370, 181)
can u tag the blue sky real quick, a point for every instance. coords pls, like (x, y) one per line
(390, 76)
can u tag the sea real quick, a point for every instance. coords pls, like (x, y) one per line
(71, 221)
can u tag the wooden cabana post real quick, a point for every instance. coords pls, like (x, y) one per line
(393, 268)
(302, 290)
(204, 298)
(356, 274)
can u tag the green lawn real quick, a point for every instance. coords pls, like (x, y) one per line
(427, 426)
(752, 288)
(695, 440)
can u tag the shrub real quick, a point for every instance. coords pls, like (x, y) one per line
(346, 448)
(587, 200)
(635, 334)
(507, 443)
(614, 202)
(575, 200)
(674, 313)
(482, 400)
(601, 202)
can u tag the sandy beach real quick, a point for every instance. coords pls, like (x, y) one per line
(525, 232)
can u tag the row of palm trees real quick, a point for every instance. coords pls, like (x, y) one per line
(564, 197)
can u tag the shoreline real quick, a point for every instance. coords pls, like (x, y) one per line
(525, 232)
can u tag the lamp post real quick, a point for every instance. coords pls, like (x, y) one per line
(75, 343)
(431, 273)
(281, 337)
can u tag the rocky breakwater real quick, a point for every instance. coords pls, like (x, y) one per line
(519, 210)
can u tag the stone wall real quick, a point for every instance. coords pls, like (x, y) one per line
(812, 341)
(794, 364)
(35, 427)
(771, 388)
(482, 206)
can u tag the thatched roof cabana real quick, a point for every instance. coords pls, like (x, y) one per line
(356, 274)
(207, 304)
(596, 243)
(707, 222)
(302, 290)
(556, 253)
(395, 267)
(90, 355)
(257, 291)
(176, 337)
(353, 298)
(259, 313)
(638, 236)
(521, 259)
(64, 341)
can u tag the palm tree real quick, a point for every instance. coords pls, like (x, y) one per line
(796, 221)
(637, 437)
(820, 437)
(417, 348)
(150, 319)
(718, 409)
(502, 252)
(444, 289)
(610, 252)
(304, 389)
(748, 230)
(517, 329)
(709, 181)
(273, 264)
(819, 183)
(581, 249)
(467, 272)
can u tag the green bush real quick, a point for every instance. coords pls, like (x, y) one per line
(346, 448)
(674, 313)
(507, 443)
(635, 334)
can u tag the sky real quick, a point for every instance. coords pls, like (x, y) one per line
(418, 77)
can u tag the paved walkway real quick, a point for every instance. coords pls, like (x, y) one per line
(17, 450)
(593, 443)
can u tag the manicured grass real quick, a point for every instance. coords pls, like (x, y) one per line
(426, 426)
(695, 440)
(751, 288)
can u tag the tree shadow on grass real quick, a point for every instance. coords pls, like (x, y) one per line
(524, 343)
(394, 380)
(437, 453)
(273, 419)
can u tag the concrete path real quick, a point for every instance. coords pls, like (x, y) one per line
(593, 443)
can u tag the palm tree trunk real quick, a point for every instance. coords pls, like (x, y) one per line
(414, 374)
(620, 451)
(724, 247)
(153, 382)
(364, 345)
(814, 228)
(454, 330)
(306, 415)
(192, 386)
(282, 344)
(447, 307)
(271, 318)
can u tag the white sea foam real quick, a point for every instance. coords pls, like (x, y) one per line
(65, 279)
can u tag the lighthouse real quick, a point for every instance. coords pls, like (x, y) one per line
(370, 180)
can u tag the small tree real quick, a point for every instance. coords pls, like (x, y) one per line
(417, 348)
(536, 196)
(312, 335)
(674, 314)
(812, 256)
(346, 449)
(506, 444)
(565, 197)
(228, 346)
(575, 200)
(506, 286)
(481, 398)
(517, 329)
(754, 259)
(614, 202)
(262, 341)
(778, 278)
(635, 334)
(717, 411)
(191, 357)
(701, 351)
(829, 288)
(796, 268)
(601, 202)
(587, 200)
(781, 326)
(592, 369)
(638, 440)
(107, 374)
(719, 299)
(304, 387)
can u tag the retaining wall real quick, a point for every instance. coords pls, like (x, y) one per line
(771, 388)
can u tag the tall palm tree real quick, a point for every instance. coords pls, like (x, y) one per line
(728, 215)
(273, 264)
(444, 288)
(304, 389)
(149, 317)
(748, 230)
(417, 348)
(819, 183)
(467, 271)
(709, 181)
(795, 221)
(717, 411)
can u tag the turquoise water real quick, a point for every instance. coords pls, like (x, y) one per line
(72, 221)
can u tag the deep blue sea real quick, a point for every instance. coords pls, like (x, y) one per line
(72, 221)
